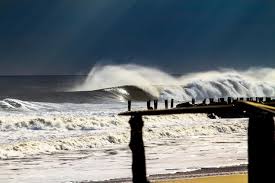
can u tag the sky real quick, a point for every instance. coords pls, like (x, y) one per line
(70, 36)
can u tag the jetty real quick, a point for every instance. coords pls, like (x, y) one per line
(261, 131)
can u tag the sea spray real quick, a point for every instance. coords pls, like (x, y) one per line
(222, 83)
(51, 133)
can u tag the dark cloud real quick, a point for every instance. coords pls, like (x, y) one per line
(68, 36)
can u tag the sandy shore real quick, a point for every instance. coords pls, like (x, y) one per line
(234, 178)
(236, 174)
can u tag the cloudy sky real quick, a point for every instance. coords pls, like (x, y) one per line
(70, 36)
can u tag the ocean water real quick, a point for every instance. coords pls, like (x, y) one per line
(66, 128)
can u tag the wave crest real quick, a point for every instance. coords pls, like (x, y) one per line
(179, 127)
(224, 83)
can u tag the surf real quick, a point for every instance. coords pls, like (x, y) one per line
(199, 85)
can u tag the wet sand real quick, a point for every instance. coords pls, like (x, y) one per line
(238, 178)
(232, 174)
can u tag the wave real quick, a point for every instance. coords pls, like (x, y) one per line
(113, 94)
(10, 104)
(107, 131)
(118, 83)
(158, 84)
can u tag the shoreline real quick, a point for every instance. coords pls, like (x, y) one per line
(236, 178)
(203, 172)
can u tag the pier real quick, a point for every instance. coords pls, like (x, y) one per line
(261, 131)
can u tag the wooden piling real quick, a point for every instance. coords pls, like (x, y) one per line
(172, 103)
(129, 105)
(229, 100)
(267, 99)
(166, 104)
(137, 147)
(193, 101)
(155, 104)
(149, 105)
(261, 148)
(221, 100)
(211, 100)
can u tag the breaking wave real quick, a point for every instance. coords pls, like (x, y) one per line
(158, 84)
(10, 104)
(102, 131)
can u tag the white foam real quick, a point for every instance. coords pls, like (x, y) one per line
(29, 133)
(49, 133)
(224, 83)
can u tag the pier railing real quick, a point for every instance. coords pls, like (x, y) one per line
(261, 131)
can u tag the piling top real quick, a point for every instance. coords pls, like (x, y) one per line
(182, 110)
(241, 105)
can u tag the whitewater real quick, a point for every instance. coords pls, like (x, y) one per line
(73, 133)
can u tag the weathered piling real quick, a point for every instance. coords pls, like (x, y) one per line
(229, 100)
(204, 102)
(166, 104)
(267, 99)
(261, 148)
(211, 100)
(149, 105)
(193, 101)
(129, 105)
(172, 103)
(137, 147)
(155, 104)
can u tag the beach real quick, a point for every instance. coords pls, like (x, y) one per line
(230, 174)
(212, 179)
(49, 138)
